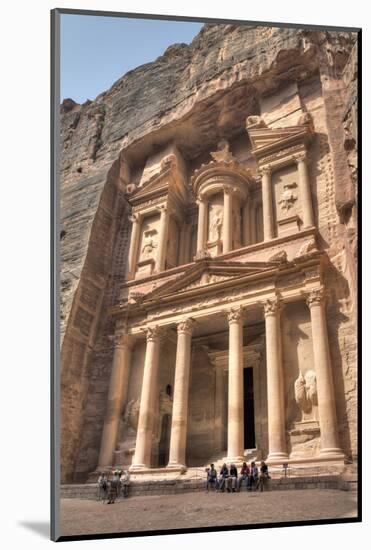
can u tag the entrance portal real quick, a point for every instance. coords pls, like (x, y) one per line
(249, 420)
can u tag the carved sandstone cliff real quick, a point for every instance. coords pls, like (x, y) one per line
(194, 96)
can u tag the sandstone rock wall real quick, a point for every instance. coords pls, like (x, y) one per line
(194, 96)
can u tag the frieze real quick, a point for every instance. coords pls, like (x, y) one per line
(282, 153)
(151, 202)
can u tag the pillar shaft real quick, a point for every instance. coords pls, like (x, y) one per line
(267, 199)
(246, 223)
(275, 385)
(202, 225)
(253, 237)
(305, 192)
(178, 436)
(134, 242)
(235, 387)
(117, 394)
(227, 220)
(325, 384)
(162, 239)
(142, 455)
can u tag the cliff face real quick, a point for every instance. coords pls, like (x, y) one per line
(194, 96)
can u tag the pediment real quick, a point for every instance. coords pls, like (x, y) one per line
(208, 273)
(268, 139)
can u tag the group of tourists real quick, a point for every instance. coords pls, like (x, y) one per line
(109, 489)
(229, 479)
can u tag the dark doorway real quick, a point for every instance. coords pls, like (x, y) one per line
(249, 420)
(163, 447)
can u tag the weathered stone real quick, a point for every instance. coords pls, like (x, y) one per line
(249, 122)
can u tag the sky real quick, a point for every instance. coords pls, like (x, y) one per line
(96, 51)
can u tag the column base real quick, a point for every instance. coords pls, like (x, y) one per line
(277, 456)
(138, 467)
(176, 466)
(331, 452)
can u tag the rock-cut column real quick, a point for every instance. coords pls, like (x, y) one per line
(134, 243)
(117, 394)
(142, 455)
(162, 238)
(305, 192)
(267, 200)
(235, 387)
(275, 382)
(180, 400)
(325, 383)
(227, 219)
(202, 224)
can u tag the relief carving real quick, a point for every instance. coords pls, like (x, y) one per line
(149, 245)
(288, 197)
(131, 414)
(216, 223)
(223, 153)
(306, 393)
(307, 247)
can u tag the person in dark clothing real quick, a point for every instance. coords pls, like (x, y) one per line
(244, 476)
(253, 476)
(212, 478)
(232, 479)
(223, 476)
(263, 477)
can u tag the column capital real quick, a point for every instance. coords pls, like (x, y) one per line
(316, 296)
(185, 326)
(154, 334)
(271, 306)
(200, 200)
(265, 170)
(228, 190)
(163, 208)
(235, 315)
(134, 217)
(300, 157)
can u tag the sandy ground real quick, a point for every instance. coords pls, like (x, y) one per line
(204, 509)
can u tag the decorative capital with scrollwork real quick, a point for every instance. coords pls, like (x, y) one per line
(185, 326)
(134, 218)
(265, 170)
(271, 306)
(154, 333)
(228, 190)
(316, 296)
(235, 315)
(300, 157)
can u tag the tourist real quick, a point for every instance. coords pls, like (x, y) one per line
(223, 476)
(211, 477)
(125, 482)
(244, 476)
(264, 475)
(253, 476)
(232, 479)
(114, 487)
(102, 487)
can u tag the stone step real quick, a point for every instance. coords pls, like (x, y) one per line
(173, 486)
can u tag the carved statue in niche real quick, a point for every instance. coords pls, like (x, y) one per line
(216, 223)
(149, 244)
(288, 197)
(306, 394)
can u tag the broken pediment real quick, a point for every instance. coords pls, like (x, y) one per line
(269, 140)
(209, 272)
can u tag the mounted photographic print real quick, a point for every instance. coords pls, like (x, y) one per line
(205, 221)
